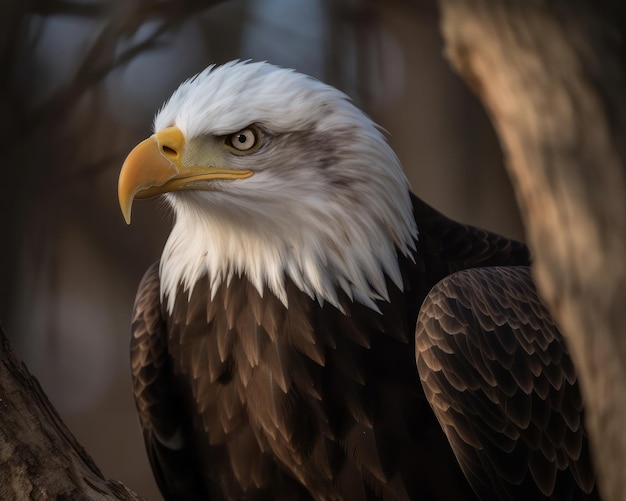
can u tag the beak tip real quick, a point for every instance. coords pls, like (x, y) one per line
(126, 214)
(126, 210)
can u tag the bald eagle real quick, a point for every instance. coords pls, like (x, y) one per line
(315, 331)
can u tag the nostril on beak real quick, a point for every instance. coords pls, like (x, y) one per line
(171, 143)
(169, 152)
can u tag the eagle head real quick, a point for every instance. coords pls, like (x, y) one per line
(272, 174)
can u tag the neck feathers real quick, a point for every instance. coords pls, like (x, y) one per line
(320, 250)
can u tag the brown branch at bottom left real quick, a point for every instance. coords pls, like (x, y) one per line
(39, 457)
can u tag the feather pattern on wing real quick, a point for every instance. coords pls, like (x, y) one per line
(165, 424)
(500, 381)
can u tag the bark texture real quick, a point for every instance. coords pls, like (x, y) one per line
(551, 75)
(39, 458)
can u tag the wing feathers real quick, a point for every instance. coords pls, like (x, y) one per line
(497, 374)
(165, 426)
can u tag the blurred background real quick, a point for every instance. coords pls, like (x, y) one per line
(81, 82)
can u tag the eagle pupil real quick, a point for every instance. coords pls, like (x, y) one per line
(242, 138)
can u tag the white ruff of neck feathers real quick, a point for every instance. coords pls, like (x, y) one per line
(292, 223)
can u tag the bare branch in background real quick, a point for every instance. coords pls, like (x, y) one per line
(552, 77)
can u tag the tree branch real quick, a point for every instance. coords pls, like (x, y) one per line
(39, 457)
(550, 73)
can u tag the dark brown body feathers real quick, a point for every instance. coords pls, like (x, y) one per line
(240, 397)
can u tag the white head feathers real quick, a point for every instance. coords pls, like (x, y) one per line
(327, 206)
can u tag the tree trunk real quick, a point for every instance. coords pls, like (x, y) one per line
(39, 458)
(552, 78)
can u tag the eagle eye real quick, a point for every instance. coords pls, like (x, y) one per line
(245, 140)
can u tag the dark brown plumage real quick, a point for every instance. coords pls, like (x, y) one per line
(240, 397)
(498, 376)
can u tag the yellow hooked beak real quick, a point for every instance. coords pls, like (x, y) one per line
(157, 165)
